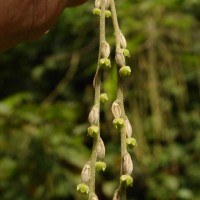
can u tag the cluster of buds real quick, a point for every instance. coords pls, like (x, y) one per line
(97, 9)
(120, 54)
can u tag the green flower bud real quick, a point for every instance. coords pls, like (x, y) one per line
(127, 164)
(131, 142)
(83, 188)
(103, 97)
(93, 131)
(116, 110)
(86, 173)
(108, 14)
(126, 180)
(126, 52)
(125, 71)
(96, 11)
(105, 63)
(100, 166)
(118, 123)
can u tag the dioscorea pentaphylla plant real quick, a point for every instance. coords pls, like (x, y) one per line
(121, 121)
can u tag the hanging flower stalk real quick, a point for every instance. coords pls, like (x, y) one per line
(121, 121)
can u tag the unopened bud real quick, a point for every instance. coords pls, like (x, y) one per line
(93, 131)
(103, 97)
(116, 195)
(96, 11)
(105, 50)
(123, 42)
(93, 197)
(120, 59)
(93, 117)
(126, 52)
(127, 164)
(83, 188)
(85, 174)
(100, 166)
(97, 3)
(131, 142)
(100, 149)
(125, 71)
(118, 123)
(105, 63)
(126, 180)
(116, 110)
(108, 14)
(128, 128)
(107, 4)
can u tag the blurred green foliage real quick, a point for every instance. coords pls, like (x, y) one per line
(46, 93)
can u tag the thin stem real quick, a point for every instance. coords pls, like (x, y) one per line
(120, 95)
(97, 88)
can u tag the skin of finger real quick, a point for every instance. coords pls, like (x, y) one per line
(26, 20)
(75, 2)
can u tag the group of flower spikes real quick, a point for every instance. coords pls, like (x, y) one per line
(120, 122)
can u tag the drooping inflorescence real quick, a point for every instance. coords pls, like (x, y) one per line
(106, 9)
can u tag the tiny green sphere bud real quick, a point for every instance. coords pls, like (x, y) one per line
(100, 166)
(93, 131)
(126, 52)
(125, 71)
(96, 11)
(126, 180)
(83, 188)
(131, 142)
(118, 123)
(105, 63)
(108, 14)
(103, 97)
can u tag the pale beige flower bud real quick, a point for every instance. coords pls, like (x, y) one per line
(127, 164)
(128, 128)
(120, 59)
(116, 110)
(86, 174)
(97, 3)
(100, 149)
(105, 50)
(93, 117)
(107, 4)
(116, 195)
(123, 42)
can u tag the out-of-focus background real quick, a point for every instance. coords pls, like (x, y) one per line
(46, 93)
